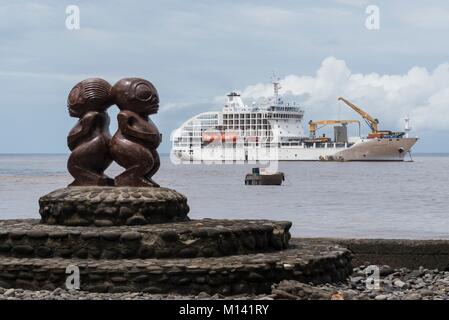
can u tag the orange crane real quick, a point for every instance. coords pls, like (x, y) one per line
(371, 122)
(313, 125)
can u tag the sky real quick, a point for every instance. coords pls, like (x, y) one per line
(197, 51)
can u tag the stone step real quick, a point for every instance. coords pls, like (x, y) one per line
(196, 238)
(304, 261)
(112, 206)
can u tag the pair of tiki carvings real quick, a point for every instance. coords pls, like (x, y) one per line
(134, 144)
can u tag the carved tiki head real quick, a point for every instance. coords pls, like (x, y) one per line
(137, 95)
(93, 94)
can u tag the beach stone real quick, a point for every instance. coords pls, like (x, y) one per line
(5, 247)
(22, 250)
(44, 252)
(130, 236)
(414, 296)
(17, 234)
(103, 223)
(9, 292)
(385, 270)
(136, 221)
(203, 295)
(170, 236)
(108, 206)
(36, 234)
(188, 252)
(356, 280)
(400, 284)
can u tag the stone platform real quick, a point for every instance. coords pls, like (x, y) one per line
(111, 206)
(215, 256)
(196, 238)
(304, 261)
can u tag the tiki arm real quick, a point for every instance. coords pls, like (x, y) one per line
(86, 123)
(125, 123)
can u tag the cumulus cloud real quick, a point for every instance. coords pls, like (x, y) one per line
(421, 94)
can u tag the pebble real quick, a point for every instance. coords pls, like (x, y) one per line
(356, 280)
(413, 296)
(9, 292)
(400, 284)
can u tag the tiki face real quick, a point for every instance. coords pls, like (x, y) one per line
(137, 95)
(92, 94)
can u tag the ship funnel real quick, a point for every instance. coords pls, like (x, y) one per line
(234, 102)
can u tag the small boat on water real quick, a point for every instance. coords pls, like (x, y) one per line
(261, 177)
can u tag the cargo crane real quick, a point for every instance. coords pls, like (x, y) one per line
(372, 122)
(313, 125)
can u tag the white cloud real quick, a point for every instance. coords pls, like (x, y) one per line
(422, 94)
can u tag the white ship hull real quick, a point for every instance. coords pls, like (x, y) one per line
(363, 150)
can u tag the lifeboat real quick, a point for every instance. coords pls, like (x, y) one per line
(223, 137)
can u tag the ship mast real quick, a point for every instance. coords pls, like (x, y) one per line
(276, 86)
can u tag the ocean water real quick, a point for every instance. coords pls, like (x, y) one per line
(322, 199)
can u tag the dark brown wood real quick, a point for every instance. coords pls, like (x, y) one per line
(134, 144)
(90, 138)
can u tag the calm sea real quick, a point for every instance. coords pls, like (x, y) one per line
(331, 199)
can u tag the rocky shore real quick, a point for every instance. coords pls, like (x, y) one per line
(394, 284)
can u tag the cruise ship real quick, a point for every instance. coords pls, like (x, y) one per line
(272, 130)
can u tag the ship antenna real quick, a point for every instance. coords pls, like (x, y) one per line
(276, 86)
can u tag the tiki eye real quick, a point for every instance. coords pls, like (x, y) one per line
(143, 92)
